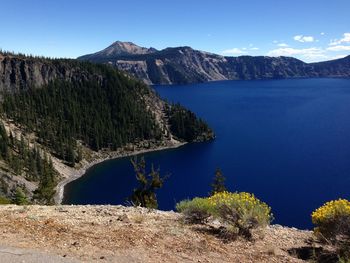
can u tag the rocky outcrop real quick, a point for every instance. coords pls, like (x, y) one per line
(20, 72)
(183, 65)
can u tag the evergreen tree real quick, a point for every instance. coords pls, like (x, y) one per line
(12, 139)
(218, 184)
(145, 194)
(70, 155)
(20, 198)
(79, 155)
(4, 143)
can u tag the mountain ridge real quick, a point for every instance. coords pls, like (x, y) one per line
(184, 65)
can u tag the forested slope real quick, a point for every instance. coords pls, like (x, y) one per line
(61, 108)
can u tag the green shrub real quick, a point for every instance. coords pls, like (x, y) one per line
(238, 212)
(196, 211)
(4, 201)
(20, 197)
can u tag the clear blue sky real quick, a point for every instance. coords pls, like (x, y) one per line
(312, 30)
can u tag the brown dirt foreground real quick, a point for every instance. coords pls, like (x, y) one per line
(126, 234)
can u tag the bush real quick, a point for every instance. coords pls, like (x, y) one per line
(332, 221)
(196, 211)
(20, 197)
(4, 201)
(238, 212)
(248, 210)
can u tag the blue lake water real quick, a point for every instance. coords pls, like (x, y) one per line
(287, 141)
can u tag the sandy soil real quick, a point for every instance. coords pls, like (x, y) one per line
(127, 234)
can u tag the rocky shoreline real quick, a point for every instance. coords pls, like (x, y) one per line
(70, 174)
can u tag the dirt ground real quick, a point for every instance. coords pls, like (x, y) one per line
(127, 234)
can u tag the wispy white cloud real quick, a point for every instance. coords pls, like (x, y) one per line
(345, 39)
(315, 57)
(312, 54)
(252, 47)
(339, 48)
(302, 38)
(338, 56)
(234, 51)
(315, 53)
(288, 51)
(239, 51)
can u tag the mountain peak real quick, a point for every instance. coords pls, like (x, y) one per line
(124, 44)
(120, 48)
(125, 48)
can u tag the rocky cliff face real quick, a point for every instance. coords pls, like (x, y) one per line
(185, 65)
(19, 72)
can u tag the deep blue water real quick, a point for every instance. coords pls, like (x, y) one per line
(287, 141)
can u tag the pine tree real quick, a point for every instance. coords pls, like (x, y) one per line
(20, 197)
(4, 142)
(79, 156)
(218, 184)
(70, 155)
(145, 194)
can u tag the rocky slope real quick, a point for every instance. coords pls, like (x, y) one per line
(185, 65)
(126, 234)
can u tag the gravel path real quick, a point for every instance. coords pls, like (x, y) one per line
(15, 255)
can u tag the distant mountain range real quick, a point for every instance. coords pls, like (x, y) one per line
(181, 65)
